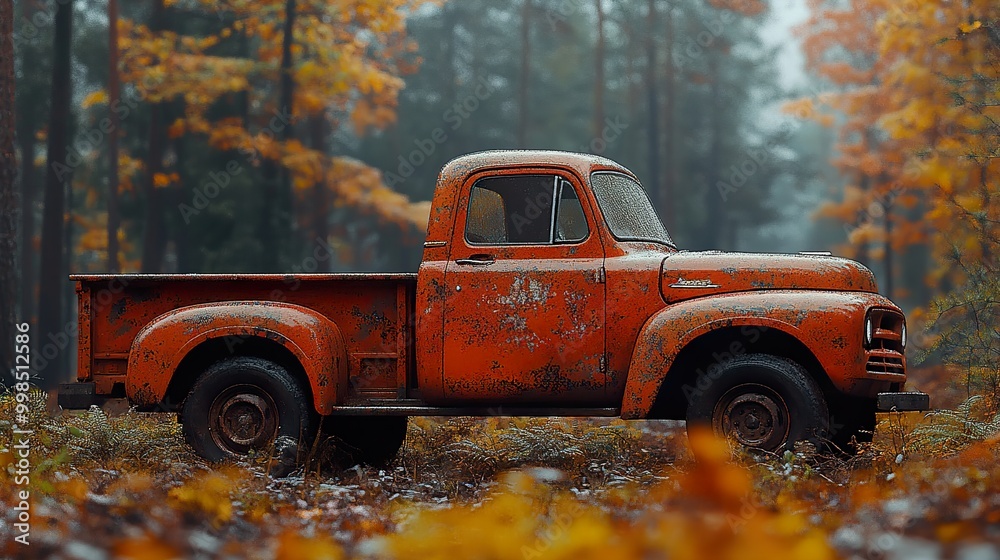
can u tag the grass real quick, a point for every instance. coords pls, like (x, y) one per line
(128, 486)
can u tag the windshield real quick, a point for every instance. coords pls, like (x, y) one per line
(627, 209)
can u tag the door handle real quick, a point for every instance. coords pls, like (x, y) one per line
(477, 260)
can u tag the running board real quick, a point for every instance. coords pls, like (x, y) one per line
(396, 408)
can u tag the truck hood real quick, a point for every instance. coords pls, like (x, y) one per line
(688, 275)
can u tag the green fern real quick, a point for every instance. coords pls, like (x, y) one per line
(947, 432)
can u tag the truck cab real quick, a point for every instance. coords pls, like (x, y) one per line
(548, 286)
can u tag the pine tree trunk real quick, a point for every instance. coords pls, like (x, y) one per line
(114, 98)
(887, 259)
(276, 219)
(27, 126)
(599, 72)
(449, 23)
(864, 184)
(522, 91)
(8, 197)
(653, 139)
(666, 202)
(320, 198)
(153, 239)
(714, 219)
(58, 175)
(26, 137)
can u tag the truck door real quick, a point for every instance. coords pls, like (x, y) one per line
(524, 304)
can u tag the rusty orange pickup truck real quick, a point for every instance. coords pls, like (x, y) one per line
(548, 287)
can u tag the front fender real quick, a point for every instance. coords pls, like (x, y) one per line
(829, 324)
(314, 340)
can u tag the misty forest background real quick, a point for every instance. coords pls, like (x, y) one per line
(249, 136)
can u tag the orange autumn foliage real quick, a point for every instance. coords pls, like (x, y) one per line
(348, 58)
(917, 87)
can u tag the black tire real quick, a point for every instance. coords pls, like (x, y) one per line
(368, 440)
(852, 423)
(762, 401)
(241, 404)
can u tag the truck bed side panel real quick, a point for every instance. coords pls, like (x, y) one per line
(372, 311)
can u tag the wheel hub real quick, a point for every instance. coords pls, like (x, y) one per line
(241, 420)
(753, 415)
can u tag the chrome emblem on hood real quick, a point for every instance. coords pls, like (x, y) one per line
(703, 283)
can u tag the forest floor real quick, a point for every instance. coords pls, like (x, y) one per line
(127, 486)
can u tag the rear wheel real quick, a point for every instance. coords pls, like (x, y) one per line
(371, 440)
(762, 401)
(242, 404)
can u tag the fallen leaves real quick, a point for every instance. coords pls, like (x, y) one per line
(556, 489)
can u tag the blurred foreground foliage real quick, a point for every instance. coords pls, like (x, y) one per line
(127, 486)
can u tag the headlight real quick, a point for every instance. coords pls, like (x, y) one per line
(902, 336)
(869, 331)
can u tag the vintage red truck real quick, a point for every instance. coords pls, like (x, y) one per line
(548, 287)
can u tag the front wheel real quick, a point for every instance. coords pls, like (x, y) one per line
(242, 404)
(761, 401)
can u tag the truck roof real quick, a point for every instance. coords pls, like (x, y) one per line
(461, 166)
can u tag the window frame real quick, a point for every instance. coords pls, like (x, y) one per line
(557, 182)
(669, 242)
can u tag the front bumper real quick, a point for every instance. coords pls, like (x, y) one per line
(902, 402)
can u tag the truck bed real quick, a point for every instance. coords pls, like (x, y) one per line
(374, 312)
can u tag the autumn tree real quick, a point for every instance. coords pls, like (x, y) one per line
(912, 83)
(307, 63)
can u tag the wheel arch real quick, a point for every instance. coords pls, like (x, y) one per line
(166, 354)
(676, 342)
(671, 401)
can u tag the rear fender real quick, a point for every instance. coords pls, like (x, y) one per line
(314, 340)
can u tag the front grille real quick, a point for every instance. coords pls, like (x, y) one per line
(886, 352)
(886, 363)
(888, 330)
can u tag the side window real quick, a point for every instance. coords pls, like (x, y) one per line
(571, 224)
(524, 210)
(485, 223)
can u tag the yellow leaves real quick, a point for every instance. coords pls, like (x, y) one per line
(937, 172)
(970, 27)
(93, 240)
(207, 494)
(292, 546)
(145, 548)
(74, 488)
(162, 180)
(747, 8)
(499, 529)
(913, 119)
(98, 97)
(176, 129)
(805, 108)
(716, 480)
